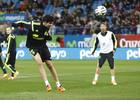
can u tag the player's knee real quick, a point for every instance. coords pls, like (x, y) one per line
(49, 65)
(39, 63)
(100, 66)
(98, 69)
(111, 67)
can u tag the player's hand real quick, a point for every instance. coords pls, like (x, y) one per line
(92, 53)
(7, 55)
(114, 50)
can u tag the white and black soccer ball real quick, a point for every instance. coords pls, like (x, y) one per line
(100, 11)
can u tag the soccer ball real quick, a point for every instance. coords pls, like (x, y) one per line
(100, 11)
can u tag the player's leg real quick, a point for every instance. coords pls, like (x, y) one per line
(52, 70)
(112, 68)
(42, 70)
(46, 57)
(101, 61)
(12, 61)
(2, 65)
(113, 80)
(5, 75)
(55, 76)
(8, 65)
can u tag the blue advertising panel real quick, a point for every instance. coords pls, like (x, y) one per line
(22, 53)
(12, 17)
(79, 41)
(80, 53)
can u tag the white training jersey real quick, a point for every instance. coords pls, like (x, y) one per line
(105, 42)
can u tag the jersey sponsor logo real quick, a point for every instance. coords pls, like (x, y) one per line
(35, 35)
(36, 30)
(103, 44)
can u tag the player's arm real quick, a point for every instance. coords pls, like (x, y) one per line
(48, 36)
(24, 22)
(28, 23)
(95, 44)
(21, 24)
(114, 42)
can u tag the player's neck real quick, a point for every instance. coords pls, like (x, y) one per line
(103, 33)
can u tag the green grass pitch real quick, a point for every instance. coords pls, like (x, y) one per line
(76, 77)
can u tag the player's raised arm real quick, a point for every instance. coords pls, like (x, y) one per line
(28, 22)
(95, 44)
(114, 41)
(23, 22)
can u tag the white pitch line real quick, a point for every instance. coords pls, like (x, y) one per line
(22, 76)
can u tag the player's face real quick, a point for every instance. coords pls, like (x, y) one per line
(47, 24)
(8, 30)
(103, 28)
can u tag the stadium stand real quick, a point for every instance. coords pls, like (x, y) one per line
(77, 16)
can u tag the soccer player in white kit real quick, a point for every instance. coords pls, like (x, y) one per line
(108, 44)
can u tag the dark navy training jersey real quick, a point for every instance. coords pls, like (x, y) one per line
(37, 34)
(11, 39)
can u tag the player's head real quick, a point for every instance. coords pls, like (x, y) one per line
(39, 16)
(103, 27)
(48, 20)
(9, 30)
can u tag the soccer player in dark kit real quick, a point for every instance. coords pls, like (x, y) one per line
(36, 42)
(11, 53)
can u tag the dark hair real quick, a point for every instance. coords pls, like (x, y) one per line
(48, 18)
(106, 24)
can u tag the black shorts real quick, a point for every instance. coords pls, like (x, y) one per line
(11, 59)
(43, 52)
(109, 57)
